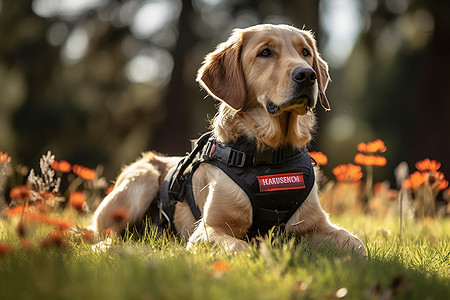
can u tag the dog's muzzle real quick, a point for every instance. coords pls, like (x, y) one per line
(303, 96)
(302, 104)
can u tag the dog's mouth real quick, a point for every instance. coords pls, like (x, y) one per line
(300, 105)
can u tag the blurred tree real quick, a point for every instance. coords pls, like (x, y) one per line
(184, 105)
(394, 83)
(172, 133)
(102, 82)
(94, 82)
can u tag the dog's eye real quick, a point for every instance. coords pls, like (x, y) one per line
(265, 52)
(305, 52)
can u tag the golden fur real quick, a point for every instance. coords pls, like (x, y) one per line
(252, 68)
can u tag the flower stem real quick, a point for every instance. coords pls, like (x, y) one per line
(368, 189)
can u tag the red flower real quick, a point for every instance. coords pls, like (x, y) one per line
(372, 147)
(320, 158)
(370, 160)
(348, 172)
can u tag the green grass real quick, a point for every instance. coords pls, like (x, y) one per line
(414, 265)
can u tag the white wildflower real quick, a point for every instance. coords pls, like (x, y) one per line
(45, 182)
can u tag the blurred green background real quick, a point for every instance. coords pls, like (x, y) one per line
(100, 81)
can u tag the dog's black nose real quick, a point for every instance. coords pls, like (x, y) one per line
(304, 76)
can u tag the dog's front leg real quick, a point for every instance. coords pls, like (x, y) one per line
(206, 233)
(342, 239)
(227, 210)
(311, 220)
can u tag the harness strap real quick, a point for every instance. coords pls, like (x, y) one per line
(176, 183)
(191, 200)
(280, 216)
(297, 205)
(236, 158)
(236, 178)
(178, 186)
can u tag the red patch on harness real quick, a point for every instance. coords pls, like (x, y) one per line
(281, 182)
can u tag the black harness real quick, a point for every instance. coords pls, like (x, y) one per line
(277, 182)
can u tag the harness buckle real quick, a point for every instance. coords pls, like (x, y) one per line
(228, 155)
(236, 158)
(209, 149)
(276, 156)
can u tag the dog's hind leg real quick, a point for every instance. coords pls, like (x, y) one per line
(135, 189)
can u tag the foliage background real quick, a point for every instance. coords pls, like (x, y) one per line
(100, 81)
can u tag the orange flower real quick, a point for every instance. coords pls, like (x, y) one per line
(4, 249)
(220, 266)
(87, 235)
(77, 200)
(83, 172)
(443, 184)
(54, 239)
(372, 147)
(428, 165)
(109, 189)
(370, 160)
(320, 158)
(4, 158)
(60, 223)
(109, 232)
(414, 181)
(436, 180)
(348, 172)
(20, 192)
(18, 210)
(62, 166)
(26, 244)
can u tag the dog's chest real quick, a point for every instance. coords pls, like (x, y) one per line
(275, 191)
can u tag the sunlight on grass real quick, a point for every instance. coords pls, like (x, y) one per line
(413, 265)
(46, 252)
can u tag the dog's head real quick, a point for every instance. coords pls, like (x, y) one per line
(275, 66)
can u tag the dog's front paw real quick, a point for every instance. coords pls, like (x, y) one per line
(354, 244)
(227, 242)
(348, 242)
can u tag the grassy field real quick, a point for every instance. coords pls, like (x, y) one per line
(414, 265)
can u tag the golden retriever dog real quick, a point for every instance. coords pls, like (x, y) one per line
(268, 79)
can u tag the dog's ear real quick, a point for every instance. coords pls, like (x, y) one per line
(321, 68)
(221, 73)
(323, 77)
